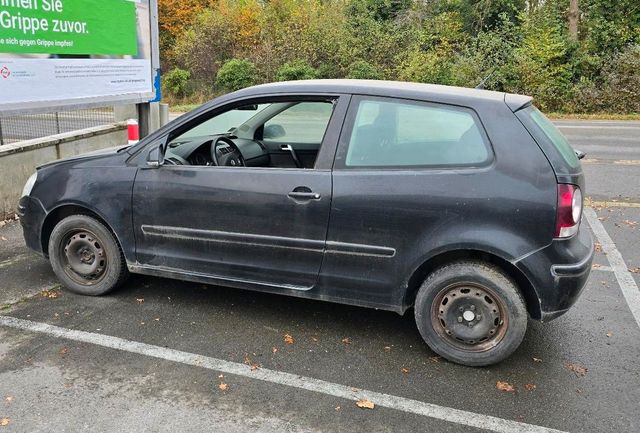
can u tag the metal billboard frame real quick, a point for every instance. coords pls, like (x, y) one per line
(100, 101)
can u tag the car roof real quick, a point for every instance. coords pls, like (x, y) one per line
(389, 88)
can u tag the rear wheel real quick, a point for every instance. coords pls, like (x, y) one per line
(471, 313)
(85, 256)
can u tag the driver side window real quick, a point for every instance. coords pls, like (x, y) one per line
(273, 134)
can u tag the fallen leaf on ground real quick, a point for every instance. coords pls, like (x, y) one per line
(3, 238)
(536, 359)
(222, 386)
(346, 340)
(596, 266)
(365, 404)
(8, 399)
(434, 359)
(51, 294)
(5, 421)
(337, 407)
(635, 270)
(140, 300)
(630, 223)
(578, 369)
(530, 386)
(387, 348)
(505, 386)
(609, 334)
(288, 339)
(404, 370)
(274, 349)
(64, 351)
(221, 376)
(597, 247)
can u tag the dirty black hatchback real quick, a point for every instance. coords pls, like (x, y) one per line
(462, 204)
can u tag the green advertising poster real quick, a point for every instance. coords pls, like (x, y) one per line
(80, 27)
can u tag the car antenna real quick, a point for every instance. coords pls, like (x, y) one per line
(484, 80)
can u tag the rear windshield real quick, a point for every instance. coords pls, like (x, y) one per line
(553, 135)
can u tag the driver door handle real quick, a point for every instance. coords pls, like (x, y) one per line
(304, 195)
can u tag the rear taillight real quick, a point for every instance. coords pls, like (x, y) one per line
(569, 210)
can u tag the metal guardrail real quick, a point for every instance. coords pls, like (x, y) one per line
(29, 126)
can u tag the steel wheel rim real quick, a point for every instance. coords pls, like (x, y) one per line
(83, 257)
(469, 316)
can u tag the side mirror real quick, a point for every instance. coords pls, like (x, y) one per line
(273, 131)
(580, 154)
(155, 157)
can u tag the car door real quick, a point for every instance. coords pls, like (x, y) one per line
(261, 226)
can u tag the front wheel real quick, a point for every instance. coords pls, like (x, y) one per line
(85, 256)
(471, 313)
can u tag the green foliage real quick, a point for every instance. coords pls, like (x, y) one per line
(542, 65)
(176, 81)
(362, 70)
(621, 90)
(296, 70)
(236, 74)
(520, 45)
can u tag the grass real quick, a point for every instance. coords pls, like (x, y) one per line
(594, 116)
(182, 108)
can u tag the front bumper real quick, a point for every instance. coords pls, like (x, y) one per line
(559, 272)
(32, 215)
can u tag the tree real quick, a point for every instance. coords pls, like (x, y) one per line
(574, 13)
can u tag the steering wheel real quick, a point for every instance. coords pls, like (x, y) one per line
(224, 152)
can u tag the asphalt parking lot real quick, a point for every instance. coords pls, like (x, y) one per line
(164, 355)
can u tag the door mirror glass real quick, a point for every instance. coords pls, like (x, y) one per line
(273, 131)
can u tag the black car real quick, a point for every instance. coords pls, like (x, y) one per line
(464, 204)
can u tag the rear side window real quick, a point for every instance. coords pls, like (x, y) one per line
(553, 135)
(395, 133)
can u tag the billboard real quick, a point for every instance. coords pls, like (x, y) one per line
(64, 53)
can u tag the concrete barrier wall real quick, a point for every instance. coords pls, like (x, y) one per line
(19, 160)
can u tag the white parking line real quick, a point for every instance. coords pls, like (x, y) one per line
(561, 126)
(625, 279)
(430, 410)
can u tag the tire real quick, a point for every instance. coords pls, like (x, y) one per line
(471, 313)
(86, 257)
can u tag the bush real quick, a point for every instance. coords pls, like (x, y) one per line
(236, 74)
(522, 46)
(621, 92)
(361, 70)
(176, 82)
(296, 70)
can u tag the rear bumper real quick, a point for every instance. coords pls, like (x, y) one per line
(559, 272)
(32, 215)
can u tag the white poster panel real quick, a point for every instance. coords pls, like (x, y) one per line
(57, 53)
